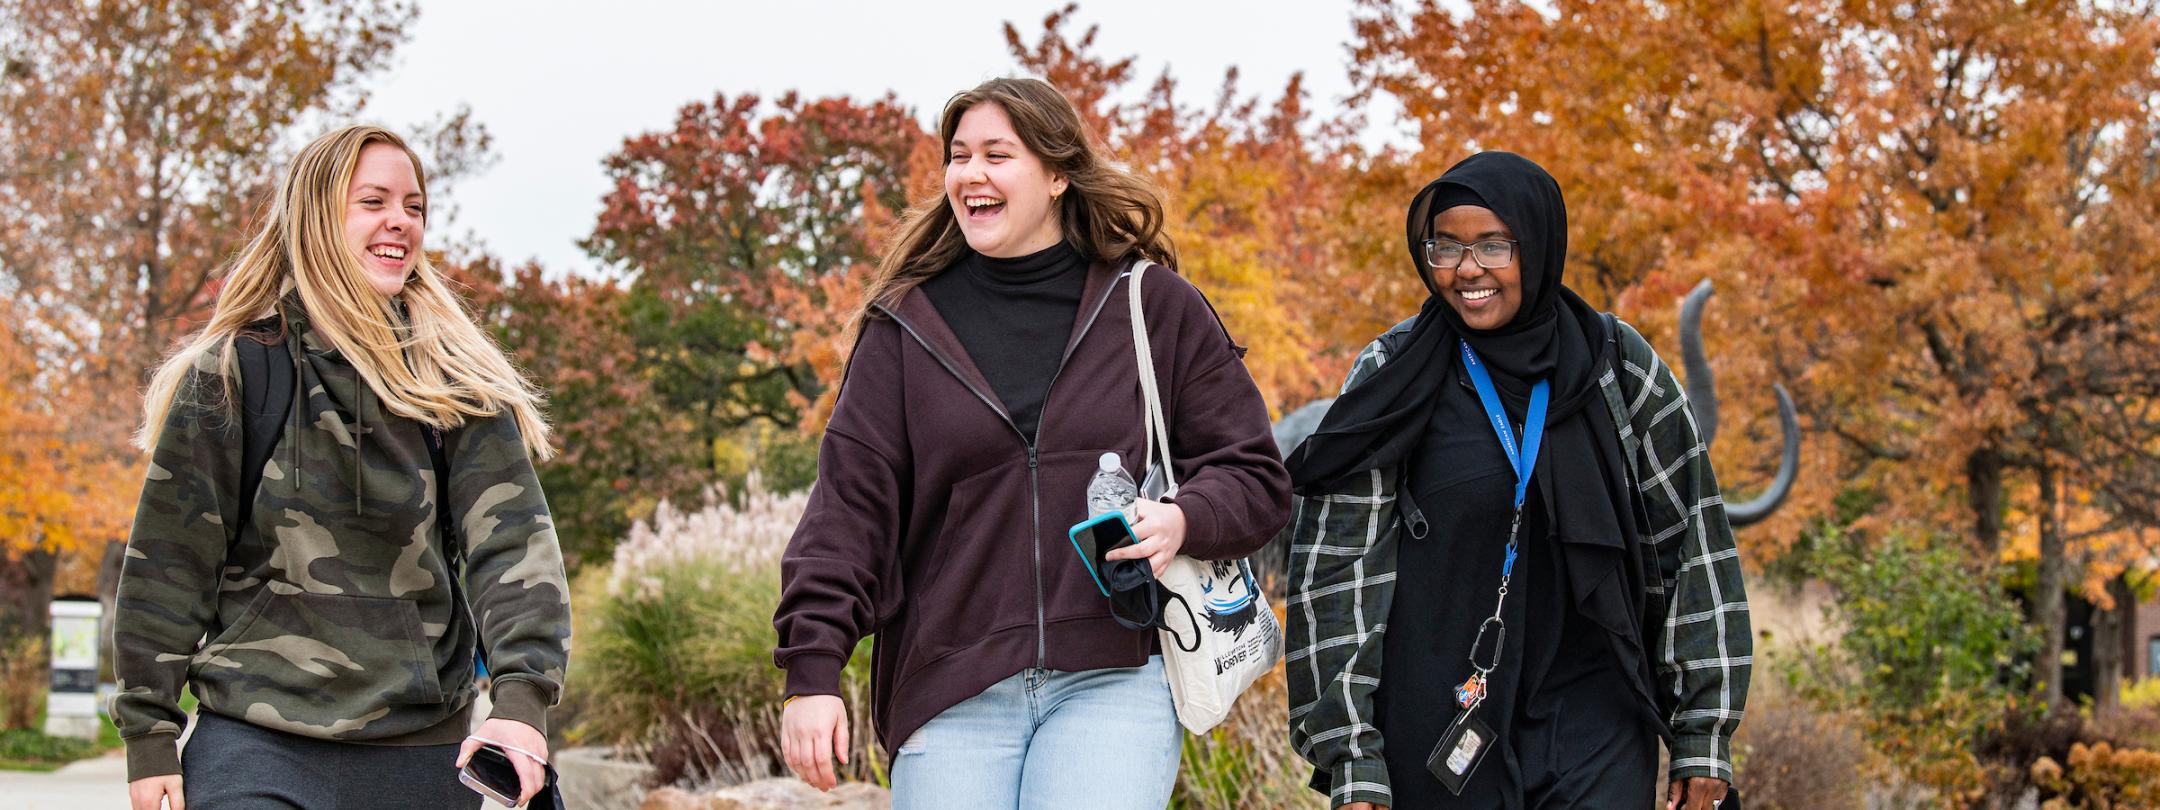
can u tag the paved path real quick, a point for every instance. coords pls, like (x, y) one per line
(94, 784)
(91, 784)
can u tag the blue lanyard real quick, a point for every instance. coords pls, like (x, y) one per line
(1472, 692)
(1525, 461)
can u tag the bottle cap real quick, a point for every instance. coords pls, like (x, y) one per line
(1109, 463)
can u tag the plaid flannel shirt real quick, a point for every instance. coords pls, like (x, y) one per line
(1342, 569)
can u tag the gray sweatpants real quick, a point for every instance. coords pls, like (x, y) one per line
(234, 765)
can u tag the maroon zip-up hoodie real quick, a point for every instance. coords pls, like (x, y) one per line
(940, 528)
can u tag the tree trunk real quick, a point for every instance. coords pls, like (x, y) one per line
(2048, 592)
(2111, 653)
(26, 585)
(2132, 651)
(1983, 491)
(26, 590)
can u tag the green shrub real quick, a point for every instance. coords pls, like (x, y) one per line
(1930, 659)
(30, 749)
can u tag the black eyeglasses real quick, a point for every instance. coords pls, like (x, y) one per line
(1491, 254)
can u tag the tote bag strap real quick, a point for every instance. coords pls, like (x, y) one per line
(1156, 435)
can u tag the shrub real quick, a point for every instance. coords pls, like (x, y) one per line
(30, 749)
(2100, 776)
(1247, 761)
(1930, 650)
(1791, 756)
(675, 643)
(2143, 693)
(2013, 750)
(22, 681)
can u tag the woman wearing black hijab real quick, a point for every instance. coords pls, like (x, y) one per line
(1472, 637)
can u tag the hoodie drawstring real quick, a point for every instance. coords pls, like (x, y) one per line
(298, 350)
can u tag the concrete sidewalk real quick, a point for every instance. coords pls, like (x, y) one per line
(101, 783)
(92, 784)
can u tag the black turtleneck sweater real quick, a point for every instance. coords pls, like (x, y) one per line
(1014, 316)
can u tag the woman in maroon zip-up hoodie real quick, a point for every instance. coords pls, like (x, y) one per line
(994, 365)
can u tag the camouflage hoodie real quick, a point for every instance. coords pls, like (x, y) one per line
(330, 612)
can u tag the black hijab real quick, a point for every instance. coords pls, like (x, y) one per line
(1581, 474)
(1555, 335)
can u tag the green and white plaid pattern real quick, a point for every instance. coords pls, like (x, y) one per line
(1342, 569)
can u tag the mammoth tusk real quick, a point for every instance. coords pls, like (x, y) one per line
(1703, 402)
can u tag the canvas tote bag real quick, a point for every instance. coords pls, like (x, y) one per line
(1221, 636)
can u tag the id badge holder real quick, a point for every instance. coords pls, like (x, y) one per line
(1461, 748)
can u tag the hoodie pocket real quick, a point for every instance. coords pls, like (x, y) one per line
(321, 657)
(980, 577)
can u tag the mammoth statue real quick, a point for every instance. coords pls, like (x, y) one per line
(1702, 401)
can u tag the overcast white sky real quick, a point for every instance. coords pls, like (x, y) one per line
(561, 84)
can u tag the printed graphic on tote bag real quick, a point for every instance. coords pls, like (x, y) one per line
(1229, 606)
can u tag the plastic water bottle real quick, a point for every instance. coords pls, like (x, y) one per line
(1111, 490)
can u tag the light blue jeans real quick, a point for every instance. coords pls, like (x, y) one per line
(1105, 738)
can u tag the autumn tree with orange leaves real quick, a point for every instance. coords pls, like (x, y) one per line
(135, 139)
(1261, 195)
(733, 244)
(137, 142)
(734, 215)
(57, 493)
(1934, 220)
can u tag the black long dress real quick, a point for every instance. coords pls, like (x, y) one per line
(1571, 732)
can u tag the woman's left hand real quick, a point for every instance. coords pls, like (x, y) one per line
(1160, 528)
(1696, 793)
(532, 776)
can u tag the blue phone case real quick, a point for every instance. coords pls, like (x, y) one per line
(1088, 525)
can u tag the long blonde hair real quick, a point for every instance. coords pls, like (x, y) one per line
(1108, 213)
(429, 361)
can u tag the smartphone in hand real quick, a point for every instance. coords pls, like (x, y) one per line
(489, 773)
(1097, 536)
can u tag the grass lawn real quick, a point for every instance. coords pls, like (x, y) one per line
(29, 749)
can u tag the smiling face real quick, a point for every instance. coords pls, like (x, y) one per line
(999, 190)
(1485, 298)
(385, 216)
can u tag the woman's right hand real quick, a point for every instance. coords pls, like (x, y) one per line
(813, 729)
(149, 793)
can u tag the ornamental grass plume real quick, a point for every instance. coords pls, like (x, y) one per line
(740, 540)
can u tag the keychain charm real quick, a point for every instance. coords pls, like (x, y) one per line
(1471, 692)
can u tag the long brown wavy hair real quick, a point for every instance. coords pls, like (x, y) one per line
(1107, 213)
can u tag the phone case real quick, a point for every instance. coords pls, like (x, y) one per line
(495, 762)
(1087, 559)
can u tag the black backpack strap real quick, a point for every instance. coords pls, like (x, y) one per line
(438, 451)
(266, 399)
(438, 444)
